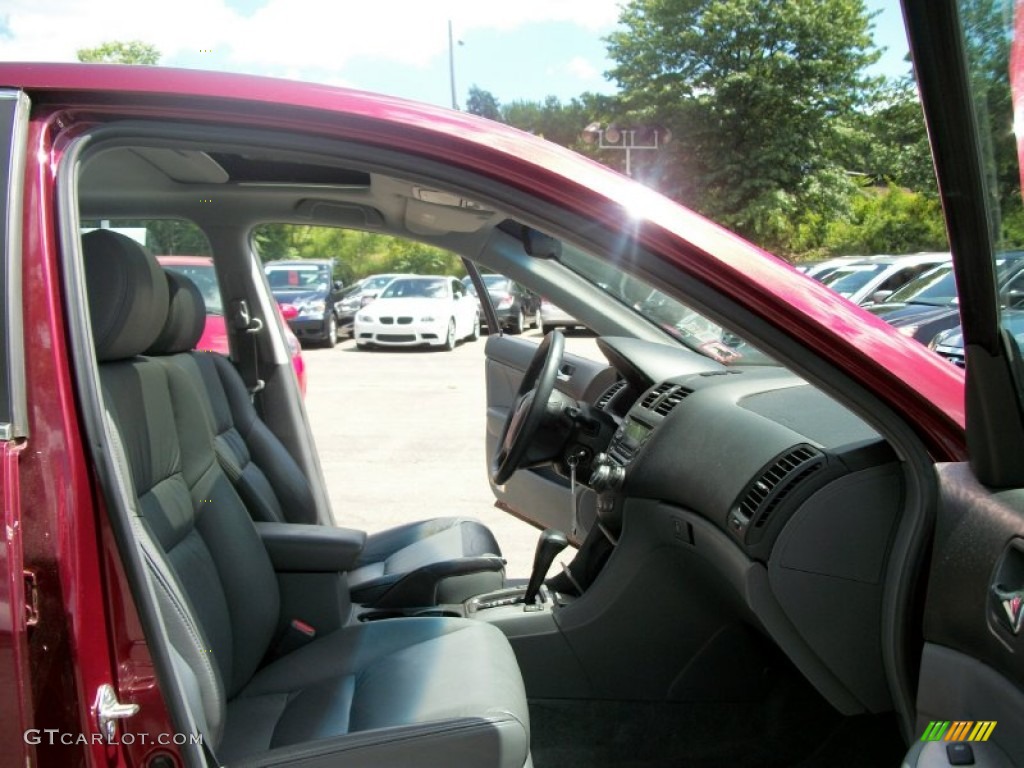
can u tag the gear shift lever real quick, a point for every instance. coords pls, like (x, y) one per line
(551, 542)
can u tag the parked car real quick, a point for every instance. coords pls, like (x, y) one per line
(552, 316)
(820, 270)
(950, 342)
(924, 306)
(349, 303)
(816, 559)
(516, 307)
(310, 287)
(418, 310)
(371, 286)
(200, 270)
(358, 295)
(928, 304)
(873, 279)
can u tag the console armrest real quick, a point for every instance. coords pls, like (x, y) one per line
(419, 587)
(311, 548)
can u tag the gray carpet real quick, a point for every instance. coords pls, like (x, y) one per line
(790, 725)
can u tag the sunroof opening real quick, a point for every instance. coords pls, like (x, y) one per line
(244, 169)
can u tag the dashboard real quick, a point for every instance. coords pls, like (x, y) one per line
(781, 491)
(742, 447)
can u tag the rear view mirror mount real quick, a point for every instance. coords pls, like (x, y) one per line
(540, 245)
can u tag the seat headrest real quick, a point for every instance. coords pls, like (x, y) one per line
(186, 317)
(127, 294)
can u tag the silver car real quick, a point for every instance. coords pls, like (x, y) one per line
(552, 316)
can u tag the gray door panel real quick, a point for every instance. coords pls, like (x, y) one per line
(538, 496)
(972, 667)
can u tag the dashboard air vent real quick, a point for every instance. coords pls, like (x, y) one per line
(654, 394)
(610, 393)
(671, 400)
(777, 481)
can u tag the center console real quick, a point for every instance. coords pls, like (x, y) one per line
(498, 606)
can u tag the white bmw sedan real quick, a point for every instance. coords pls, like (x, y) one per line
(417, 310)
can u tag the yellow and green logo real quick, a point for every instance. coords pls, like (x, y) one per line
(958, 730)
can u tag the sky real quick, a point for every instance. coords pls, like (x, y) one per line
(528, 49)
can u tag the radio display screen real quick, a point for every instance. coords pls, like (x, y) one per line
(636, 431)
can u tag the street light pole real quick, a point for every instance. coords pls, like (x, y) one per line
(624, 140)
(451, 63)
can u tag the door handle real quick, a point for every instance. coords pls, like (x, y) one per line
(1012, 602)
(1007, 587)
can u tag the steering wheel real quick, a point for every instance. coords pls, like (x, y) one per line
(527, 411)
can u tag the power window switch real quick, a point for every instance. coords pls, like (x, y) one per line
(960, 753)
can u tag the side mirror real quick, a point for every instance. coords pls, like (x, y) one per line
(338, 285)
(879, 296)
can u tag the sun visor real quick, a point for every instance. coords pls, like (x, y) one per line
(428, 219)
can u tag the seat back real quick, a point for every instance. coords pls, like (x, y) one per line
(270, 482)
(268, 479)
(217, 589)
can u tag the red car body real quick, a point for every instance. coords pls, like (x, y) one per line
(215, 334)
(62, 574)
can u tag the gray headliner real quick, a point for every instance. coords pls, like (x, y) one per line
(135, 178)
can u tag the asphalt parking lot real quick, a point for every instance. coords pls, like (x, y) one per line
(401, 438)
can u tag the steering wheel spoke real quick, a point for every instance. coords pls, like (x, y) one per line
(528, 410)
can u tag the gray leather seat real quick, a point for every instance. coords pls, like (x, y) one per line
(442, 560)
(411, 691)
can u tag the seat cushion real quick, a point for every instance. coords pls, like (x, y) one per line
(391, 554)
(383, 675)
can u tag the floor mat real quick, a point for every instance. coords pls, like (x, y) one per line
(791, 726)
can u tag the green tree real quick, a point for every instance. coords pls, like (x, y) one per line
(752, 92)
(562, 123)
(887, 140)
(117, 52)
(355, 253)
(483, 103)
(889, 220)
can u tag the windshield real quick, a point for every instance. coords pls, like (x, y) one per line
(679, 321)
(846, 281)
(496, 283)
(300, 277)
(936, 286)
(376, 283)
(418, 287)
(994, 50)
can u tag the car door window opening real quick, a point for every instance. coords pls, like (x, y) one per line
(771, 492)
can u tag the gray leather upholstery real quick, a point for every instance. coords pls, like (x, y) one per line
(185, 319)
(392, 554)
(129, 302)
(275, 489)
(349, 681)
(424, 691)
(311, 548)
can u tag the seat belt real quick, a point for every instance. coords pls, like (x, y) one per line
(248, 354)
